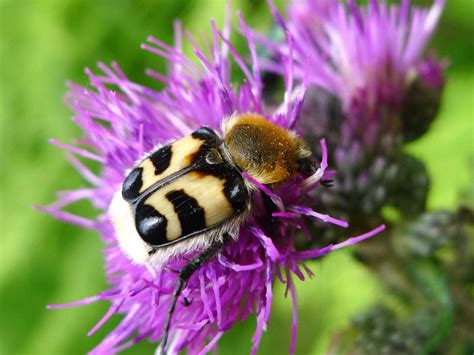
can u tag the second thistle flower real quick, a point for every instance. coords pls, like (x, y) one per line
(371, 88)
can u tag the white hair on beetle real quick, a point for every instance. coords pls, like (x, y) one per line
(123, 220)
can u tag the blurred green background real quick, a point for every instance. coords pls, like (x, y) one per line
(43, 43)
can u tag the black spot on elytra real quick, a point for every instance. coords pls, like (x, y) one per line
(161, 159)
(191, 216)
(208, 135)
(151, 225)
(132, 185)
(236, 192)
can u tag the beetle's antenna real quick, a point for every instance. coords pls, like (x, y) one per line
(184, 275)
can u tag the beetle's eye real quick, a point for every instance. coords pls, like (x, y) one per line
(213, 157)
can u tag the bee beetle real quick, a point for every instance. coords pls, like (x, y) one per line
(190, 195)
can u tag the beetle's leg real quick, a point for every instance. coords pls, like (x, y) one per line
(184, 275)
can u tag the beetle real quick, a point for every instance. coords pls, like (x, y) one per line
(190, 195)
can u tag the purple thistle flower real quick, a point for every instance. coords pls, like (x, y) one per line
(122, 120)
(370, 89)
(367, 56)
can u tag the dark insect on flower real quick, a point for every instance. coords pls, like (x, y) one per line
(205, 224)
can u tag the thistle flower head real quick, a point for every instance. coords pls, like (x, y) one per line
(121, 120)
(370, 88)
(366, 55)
